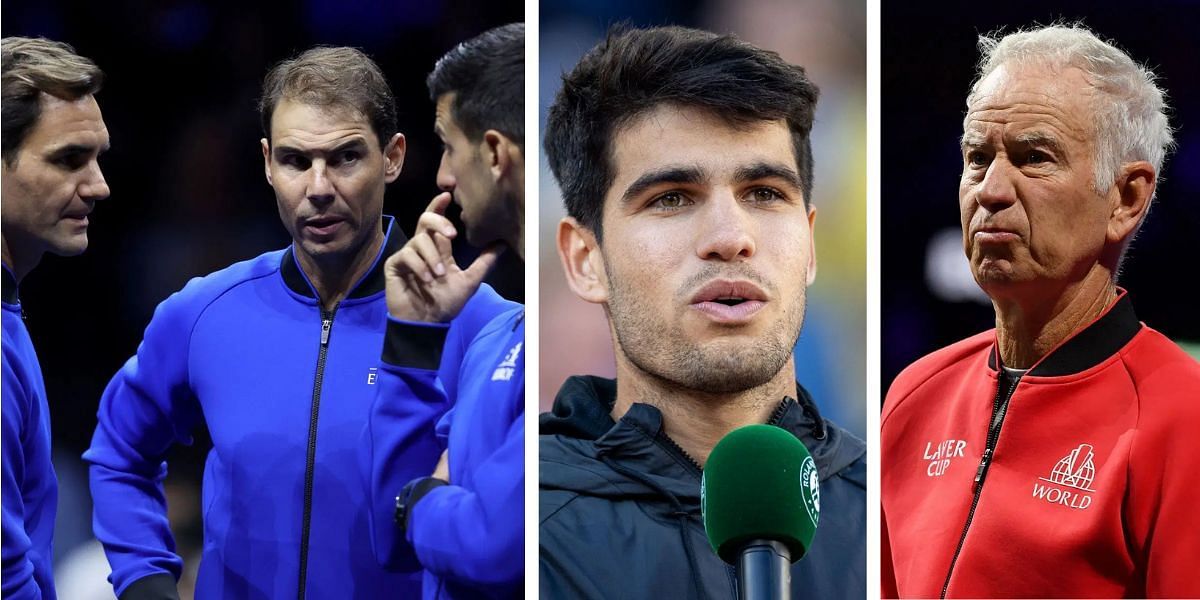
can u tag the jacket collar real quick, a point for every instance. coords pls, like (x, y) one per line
(1089, 346)
(9, 287)
(582, 411)
(371, 283)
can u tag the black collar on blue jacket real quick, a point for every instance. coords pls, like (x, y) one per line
(371, 283)
(1089, 346)
(9, 287)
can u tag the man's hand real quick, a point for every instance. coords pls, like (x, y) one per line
(423, 281)
(442, 471)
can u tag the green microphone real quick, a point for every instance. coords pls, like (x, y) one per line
(760, 498)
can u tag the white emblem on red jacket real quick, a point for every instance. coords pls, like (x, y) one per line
(939, 456)
(1070, 480)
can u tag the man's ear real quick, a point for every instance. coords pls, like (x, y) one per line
(1134, 187)
(812, 244)
(393, 157)
(581, 261)
(266, 148)
(496, 151)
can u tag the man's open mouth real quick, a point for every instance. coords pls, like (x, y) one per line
(729, 301)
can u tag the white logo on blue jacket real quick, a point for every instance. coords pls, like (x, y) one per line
(504, 371)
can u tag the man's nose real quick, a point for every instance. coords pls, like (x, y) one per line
(94, 187)
(320, 188)
(997, 191)
(445, 177)
(726, 231)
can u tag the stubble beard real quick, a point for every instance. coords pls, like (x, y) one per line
(661, 349)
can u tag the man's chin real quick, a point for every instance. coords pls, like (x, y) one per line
(996, 275)
(326, 248)
(730, 364)
(72, 245)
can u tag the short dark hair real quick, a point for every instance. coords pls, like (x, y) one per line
(487, 75)
(635, 70)
(329, 76)
(36, 66)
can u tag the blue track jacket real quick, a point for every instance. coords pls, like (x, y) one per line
(469, 535)
(284, 388)
(30, 491)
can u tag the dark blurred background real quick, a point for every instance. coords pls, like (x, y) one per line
(188, 192)
(929, 298)
(826, 37)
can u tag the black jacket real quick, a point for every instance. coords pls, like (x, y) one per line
(620, 505)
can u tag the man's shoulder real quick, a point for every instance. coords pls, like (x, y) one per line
(200, 292)
(957, 356)
(483, 308)
(1163, 376)
(236, 274)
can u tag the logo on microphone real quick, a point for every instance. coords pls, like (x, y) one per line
(1076, 470)
(810, 489)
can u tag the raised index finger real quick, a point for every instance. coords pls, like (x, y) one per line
(439, 203)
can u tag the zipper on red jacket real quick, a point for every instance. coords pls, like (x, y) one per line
(311, 459)
(999, 410)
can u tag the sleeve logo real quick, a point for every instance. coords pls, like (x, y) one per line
(504, 371)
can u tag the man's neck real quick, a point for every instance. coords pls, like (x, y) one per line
(333, 276)
(17, 263)
(1027, 328)
(517, 242)
(698, 420)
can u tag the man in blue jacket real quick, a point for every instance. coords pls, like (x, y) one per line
(277, 356)
(53, 134)
(686, 168)
(464, 523)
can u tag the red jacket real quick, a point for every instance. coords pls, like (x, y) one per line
(1091, 486)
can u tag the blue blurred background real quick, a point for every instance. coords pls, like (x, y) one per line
(826, 37)
(929, 298)
(189, 195)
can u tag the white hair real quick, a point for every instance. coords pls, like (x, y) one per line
(1130, 111)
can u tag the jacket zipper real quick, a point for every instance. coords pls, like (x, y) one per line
(310, 461)
(999, 410)
(674, 448)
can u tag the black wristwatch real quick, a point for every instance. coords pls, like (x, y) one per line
(408, 497)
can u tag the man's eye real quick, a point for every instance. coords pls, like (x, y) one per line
(348, 156)
(670, 201)
(976, 158)
(1036, 157)
(71, 162)
(295, 161)
(765, 195)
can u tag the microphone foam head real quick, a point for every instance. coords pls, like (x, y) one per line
(759, 483)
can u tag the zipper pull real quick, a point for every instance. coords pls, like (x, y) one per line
(326, 324)
(983, 467)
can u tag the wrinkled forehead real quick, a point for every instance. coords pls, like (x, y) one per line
(296, 120)
(443, 121)
(1033, 94)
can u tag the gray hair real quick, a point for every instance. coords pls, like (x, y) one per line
(1130, 111)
